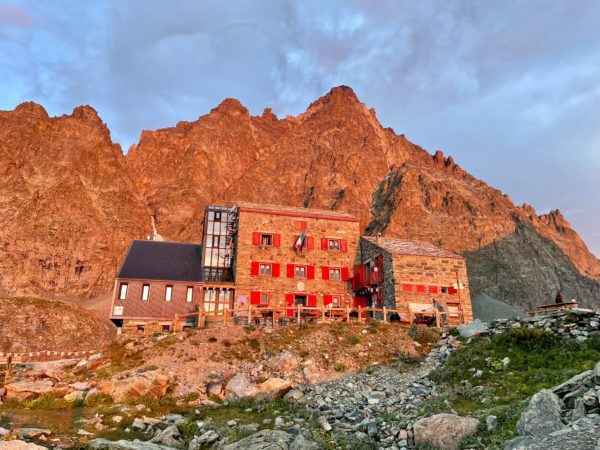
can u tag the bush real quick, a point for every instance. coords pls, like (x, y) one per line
(340, 366)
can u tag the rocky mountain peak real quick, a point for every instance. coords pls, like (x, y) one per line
(33, 109)
(231, 106)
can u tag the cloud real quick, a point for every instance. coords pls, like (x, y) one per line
(511, 89)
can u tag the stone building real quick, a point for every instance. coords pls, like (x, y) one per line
(395, 273)
(284, 256)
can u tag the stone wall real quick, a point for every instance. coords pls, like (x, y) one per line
(368, 251)
(286, 227)
(576, 324)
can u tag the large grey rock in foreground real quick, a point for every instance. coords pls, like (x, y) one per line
(581, 435)
(272, 440)
(542, 415)
(104, 444)
(473, 328)
(444, 430)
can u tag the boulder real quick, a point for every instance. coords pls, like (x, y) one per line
(473, 328)
(284, 362)
(205, 439)
(519, 442)
(214, 388)
(444, 430)
(596, 373)
(293, 395)
(52, 369)
(20, 445)
(311, 374)
(240, 386)
(542, 415)
(153, 384)
(271, 440)
(273, 388)
(104, 444)
(169, 436)
(32, 433)
(74, 396)
(24, 389)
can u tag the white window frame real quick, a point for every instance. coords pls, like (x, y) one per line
(123, 291)
(264, 273)
(296, 267)
(270, 236)
(264, 295)
(329, 247)
(337, 271)
(336, 301)
(168, 293)
(190, 294)
(145, 292)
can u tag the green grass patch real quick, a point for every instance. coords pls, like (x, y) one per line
(538, 360)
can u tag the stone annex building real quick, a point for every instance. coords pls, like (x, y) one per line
(266, 256)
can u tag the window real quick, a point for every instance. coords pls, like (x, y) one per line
(335, 301)
(333, 245)
(168, 293)
(140, 329)
(299, 271)
(166, 328)
(215, 241)
(217, 216)
(265, 269)
(300, 225)
(123, 291)
(335, 274)
(444, 290)
(266, 240)
(264, 298)
(190, 294)
(145, 292)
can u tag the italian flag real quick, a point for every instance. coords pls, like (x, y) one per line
(300, 241)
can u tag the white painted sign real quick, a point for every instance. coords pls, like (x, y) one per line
(118, 311)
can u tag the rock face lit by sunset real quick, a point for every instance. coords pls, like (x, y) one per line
(343, 225)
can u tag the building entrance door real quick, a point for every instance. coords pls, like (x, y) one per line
(300, 300)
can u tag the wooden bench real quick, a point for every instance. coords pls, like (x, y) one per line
(544, 310)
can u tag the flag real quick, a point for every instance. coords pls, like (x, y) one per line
(299, 242)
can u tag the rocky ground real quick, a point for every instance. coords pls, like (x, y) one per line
(453, 396)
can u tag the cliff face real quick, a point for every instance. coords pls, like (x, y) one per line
(68, 208)
(336, 155)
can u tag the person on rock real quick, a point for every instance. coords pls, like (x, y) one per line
(559, 297)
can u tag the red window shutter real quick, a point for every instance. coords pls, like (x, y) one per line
(290, 271)
(254, 266)
(276, 240)
(324, 243)
(433, 289)
(325, 273)
(310, 242)
(310, 272)
(345, 274)
(289, 301)
(312, 300)
(407, 287)
(343, 245)
(420, 288)
(275, 269)
(255, 298)
(327, 299)
(451, 291)
(256, 238)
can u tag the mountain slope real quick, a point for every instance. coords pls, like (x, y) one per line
(335, 155)
(68, 207)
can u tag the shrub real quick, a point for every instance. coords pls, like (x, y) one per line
(353, 339)
(423, 334)
(340, 366)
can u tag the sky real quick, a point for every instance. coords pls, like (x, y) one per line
(510, 89)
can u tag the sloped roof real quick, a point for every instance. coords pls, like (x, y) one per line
(408, 247)
(157, 260)
(292, 210)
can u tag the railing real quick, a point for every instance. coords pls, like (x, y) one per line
(285, 315)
